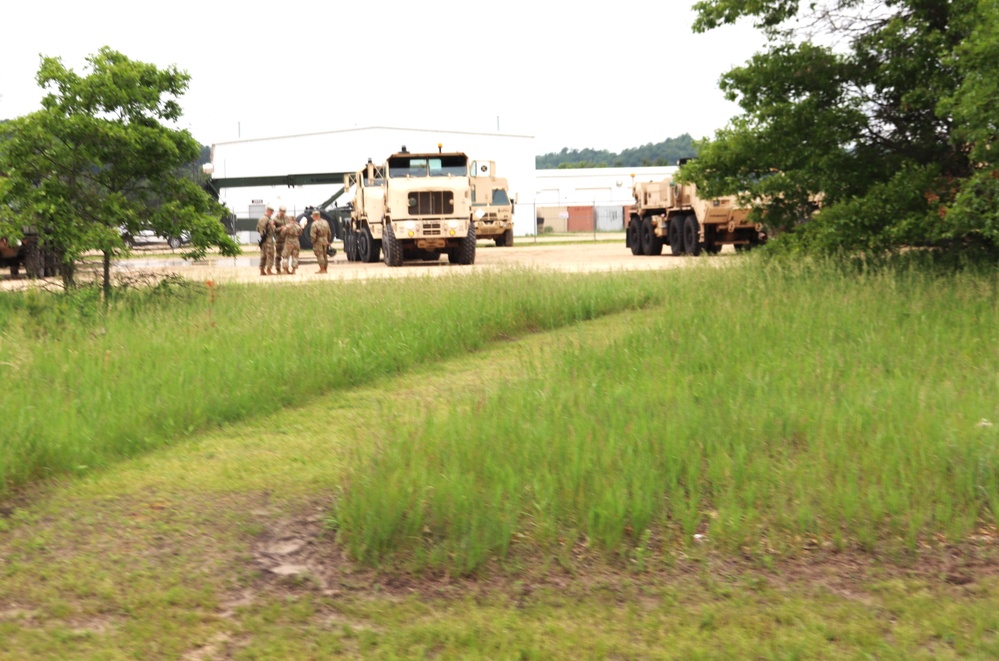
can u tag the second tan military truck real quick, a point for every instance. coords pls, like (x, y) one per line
(492, 208)
(415, 206)
(668, 213)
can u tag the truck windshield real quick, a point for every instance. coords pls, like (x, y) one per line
(500, 198)
(428, 166)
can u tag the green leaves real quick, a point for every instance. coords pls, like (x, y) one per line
(892, 123)
(97, 159)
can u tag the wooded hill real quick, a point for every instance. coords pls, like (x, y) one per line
(666, 152)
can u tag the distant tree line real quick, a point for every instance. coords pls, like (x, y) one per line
(667, 152)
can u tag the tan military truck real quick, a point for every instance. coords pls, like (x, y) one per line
(668, 213)
(415, 206)
(492, 208)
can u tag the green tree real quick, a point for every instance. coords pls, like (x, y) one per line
(885, 109)
(667, 152)
(99, 158)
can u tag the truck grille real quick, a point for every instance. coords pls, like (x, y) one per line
(431, 229)
(431, 203)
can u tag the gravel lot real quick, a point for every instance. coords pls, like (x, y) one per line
(560, 253)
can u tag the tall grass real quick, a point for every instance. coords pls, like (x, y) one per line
(83, 388)
(764, 408)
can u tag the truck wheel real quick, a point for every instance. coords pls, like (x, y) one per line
(634, 236)
(34, 262)
(651, 244)
(675, 235)
(391, 247)
(465, 253)
(508, 238)
(692, 236)
(174, 242)
(348, 249)
(366, 250)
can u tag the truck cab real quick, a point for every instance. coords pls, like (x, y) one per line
(416, 206)
(492, 208)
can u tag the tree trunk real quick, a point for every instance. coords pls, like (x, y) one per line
(107, 276)
(68, 270)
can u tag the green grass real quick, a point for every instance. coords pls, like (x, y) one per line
(765, 409)
(86, 388)
(155, 556)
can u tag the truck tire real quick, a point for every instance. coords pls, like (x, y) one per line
(675, 235)
(174, 242)
(367, 249)
(348, 245)
(508, 238)
(692, 236)
(34, 262)
(634, 236)
(391, 247)
(651, 244)
(465, 253)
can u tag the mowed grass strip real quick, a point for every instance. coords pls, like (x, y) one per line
(85, 388)
(762, 409)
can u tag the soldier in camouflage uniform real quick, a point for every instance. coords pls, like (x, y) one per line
(265, 228)
(290, 232)
(321, 237)
(279, 222)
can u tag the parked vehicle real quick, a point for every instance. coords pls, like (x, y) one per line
(150, 237)
(492, 208)
(415, 206)
(668, 213)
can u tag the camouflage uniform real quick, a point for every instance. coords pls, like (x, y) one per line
(265, 228)
(290, 233)
(321, 237)
(280, 219)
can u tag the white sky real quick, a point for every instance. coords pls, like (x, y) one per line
(572, 74)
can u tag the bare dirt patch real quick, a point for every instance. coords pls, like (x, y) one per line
(300, 553)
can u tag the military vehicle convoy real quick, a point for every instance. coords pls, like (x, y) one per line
(491, 204)
(415, 206)
(668, 213)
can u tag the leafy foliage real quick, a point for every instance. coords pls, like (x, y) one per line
(885, 112)
(667, 152)
(99, 158)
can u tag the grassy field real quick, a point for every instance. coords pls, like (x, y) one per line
(527, 485)
(794, 408)
(87, 388)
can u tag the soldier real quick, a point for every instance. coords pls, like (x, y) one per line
(265, 227)
(321, 237)
(290, 232)
(279, 222)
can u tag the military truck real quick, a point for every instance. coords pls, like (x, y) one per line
(668, 213)
(492, 208)
(38, 262)
(415, 206)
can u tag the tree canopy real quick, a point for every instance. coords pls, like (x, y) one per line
(884, 112)
(99, 159)
(667, 152)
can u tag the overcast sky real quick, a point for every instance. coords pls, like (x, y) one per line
(606, 75)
